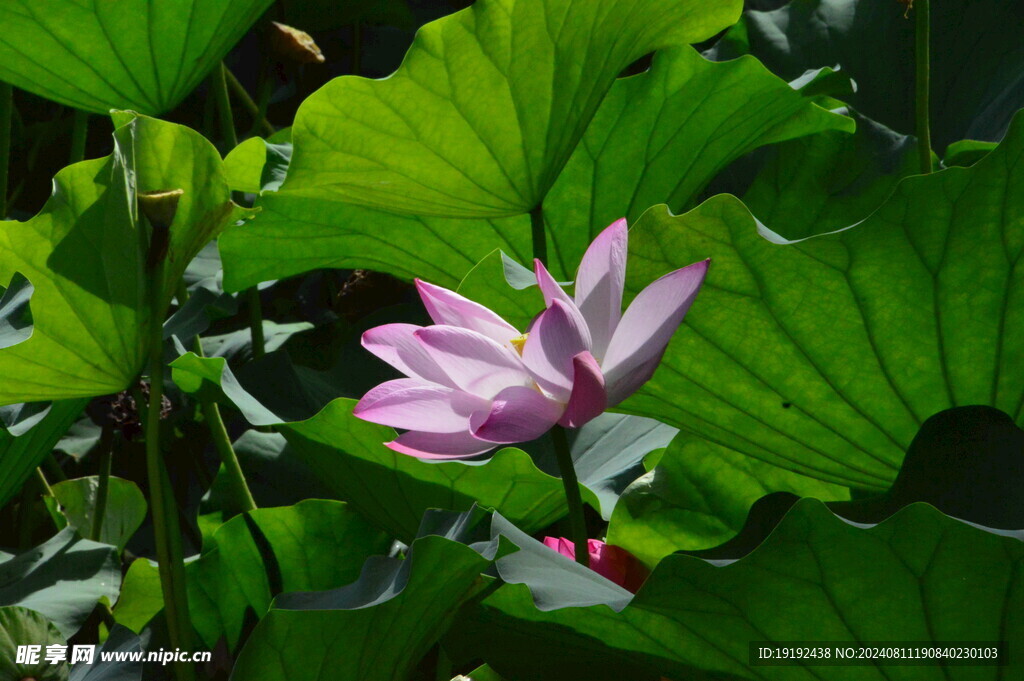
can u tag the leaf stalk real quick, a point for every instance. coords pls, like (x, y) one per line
(577, 520)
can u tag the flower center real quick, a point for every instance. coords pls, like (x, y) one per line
(518, 342)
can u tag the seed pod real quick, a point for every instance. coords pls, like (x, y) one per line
(159, 207)
(293, 45)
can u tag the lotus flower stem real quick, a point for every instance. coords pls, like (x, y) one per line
(922, 32)
(540, 242)
(577, 521)
(166, 528)
(79, 134)
(6, 112)
(106, 447)
(243, 498)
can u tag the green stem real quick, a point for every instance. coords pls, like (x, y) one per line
(922, 97)
(166, 527)
(6, 113)
(540, 242)
(211, 413)
(218, 83)
(243, 96)
(79, 133)
(227, 125)
(259, 341)
(572, 495)
(243, 497)
(47, 491)
(106, 456)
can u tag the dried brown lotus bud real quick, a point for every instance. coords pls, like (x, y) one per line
(293, 45)
(160, 206)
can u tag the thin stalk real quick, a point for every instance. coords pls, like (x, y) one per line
(43, 484)
(218, 83)
(540, 242)
(243, 497)
(47, 491)
(211, 413)
(6, 113)
(106, 456)
(243, 96)
(922, 32)
(166, 528)
(79, 133)
(572, 495)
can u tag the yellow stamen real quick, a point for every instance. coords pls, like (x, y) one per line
(519, 342)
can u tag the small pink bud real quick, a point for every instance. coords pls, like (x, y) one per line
(611, 562)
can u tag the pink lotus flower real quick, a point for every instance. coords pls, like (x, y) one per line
(474, 382)
(611, 562)
(467, 390)
(587, 344)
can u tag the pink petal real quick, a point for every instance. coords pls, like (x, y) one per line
(413, 404)
(646, 328)
(611, 562)
(517, 414)
(555, 338)
(448, 307)
(460, 445)
(588, 399)
(599, 283)
(474, 362)
(561, 545)
(549, 287)
(396, 344)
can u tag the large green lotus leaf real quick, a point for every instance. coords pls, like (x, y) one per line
(24, 627)
(313, 545)
(976, 54)
(660, 137)
(824, 356)
(381, 625)
(82, 253)
(967, 462)
(918, 576)
(63, 578)
(98, 55)
(698, 496)
(393, 490)
(20, 454)
(125, 508)
(825, 182)
(487, 106)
